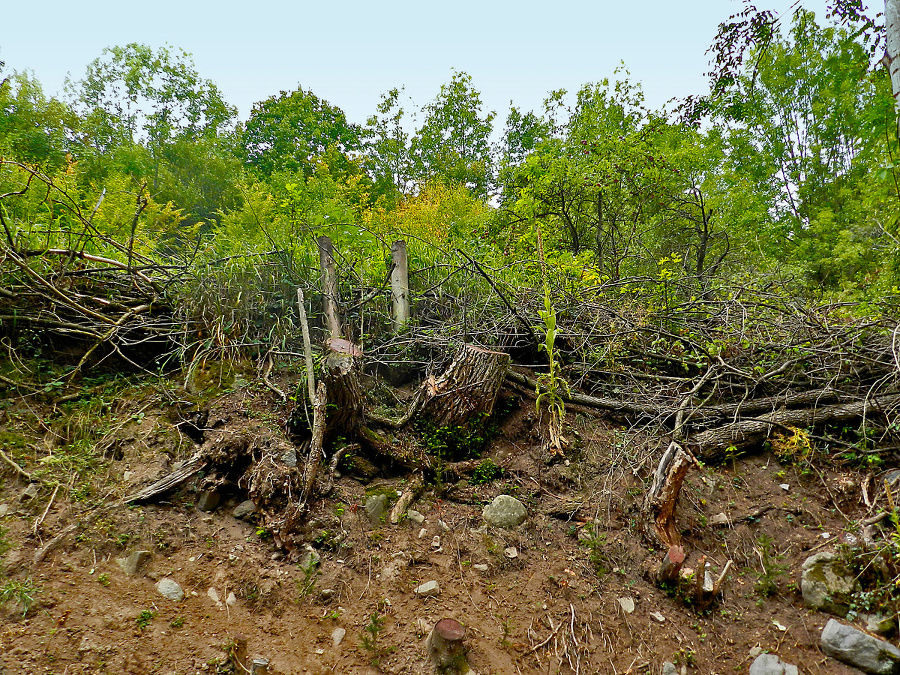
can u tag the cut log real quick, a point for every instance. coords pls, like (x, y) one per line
(446, 646)
(344, 392)
(468, 388)
(671, 564)
(659, 506)
(400, 285)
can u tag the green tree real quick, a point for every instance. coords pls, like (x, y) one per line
(33, 128)
(293, 131)
(135, 94)
(453, 143)
(387, 146)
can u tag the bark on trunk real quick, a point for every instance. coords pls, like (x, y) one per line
(892, 50)
(330, 297)
(400, 285)
(446, 646)
(468, 388)
(662, 498)
(344, 393)
(713, 443)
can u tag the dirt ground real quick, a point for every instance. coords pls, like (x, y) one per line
(553, 598)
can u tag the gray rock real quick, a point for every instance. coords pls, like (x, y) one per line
(669, 668)
(827, 584)
(770, 664)
(208, 500)
(4, 510)
(859, 650)
(30, 492)
(376, 508)
(505, 511)
(310, 559)
(243, 510)
(289, 457)
(878, 623)
(480, 567)
(169, 588)
(627, 604)
(337, 635)
(133, 562)
(428, 589)
(415, 517)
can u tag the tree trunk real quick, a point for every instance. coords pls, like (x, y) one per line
(713, 443)
(446, 646)
(400, 285)
(659, 506)
(468, 388)
(345, 398)
(892, 50)
(330, 297)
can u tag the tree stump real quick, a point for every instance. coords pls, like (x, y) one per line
(659, 506)
(344, 393)
(446, 646)
(468, 388)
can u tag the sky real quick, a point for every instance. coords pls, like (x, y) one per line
(351, 52)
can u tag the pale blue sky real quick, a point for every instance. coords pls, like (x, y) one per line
(350, 52)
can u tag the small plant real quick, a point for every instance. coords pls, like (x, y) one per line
(770, 568)
(103, 579)
(485, 472)
(310, 572)
(263, 533)
(21, 592)
(370, 640)
(144, 618)
(177, 622)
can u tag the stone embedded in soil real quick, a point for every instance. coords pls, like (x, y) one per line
(627, 604)
(169, 588)
(337, 635)
(659, 617)
(213, 595)
(436, 541)
(243, 510)
(231, 600)
(4, 510)
(859, 650)
(428, 589)
(310, 559)
(289, 458)
(770, 664)
(376, 508)
(480, 567)
(669, 668)
(415, 517)
(505, 511)
(30, 492)
(511, 552)
(719, 519)
(827, 584)
(208, 500)
(133, 562)
(878, 623)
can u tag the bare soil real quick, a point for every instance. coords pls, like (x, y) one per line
(553, 608)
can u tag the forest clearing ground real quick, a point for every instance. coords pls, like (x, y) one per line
(554, 607)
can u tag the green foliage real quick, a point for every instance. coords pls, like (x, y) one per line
(770, 567)
(23, 593)
(144, 618)
(486, 472)
(453, 143)
(371, 640)
(459, 442)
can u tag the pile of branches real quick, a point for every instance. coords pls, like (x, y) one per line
(70, 297)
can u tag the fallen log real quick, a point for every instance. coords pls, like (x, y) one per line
(714, 444)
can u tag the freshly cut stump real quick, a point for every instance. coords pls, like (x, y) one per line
(446, 646)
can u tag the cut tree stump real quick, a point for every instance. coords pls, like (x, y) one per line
(344, 392)
(446, 646)
(468, 388)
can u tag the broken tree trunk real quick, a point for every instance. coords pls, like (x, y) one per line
(468, 388)
(344, 392)
(446, 646)
(400, 285)
(659, 506)
(330, 297)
